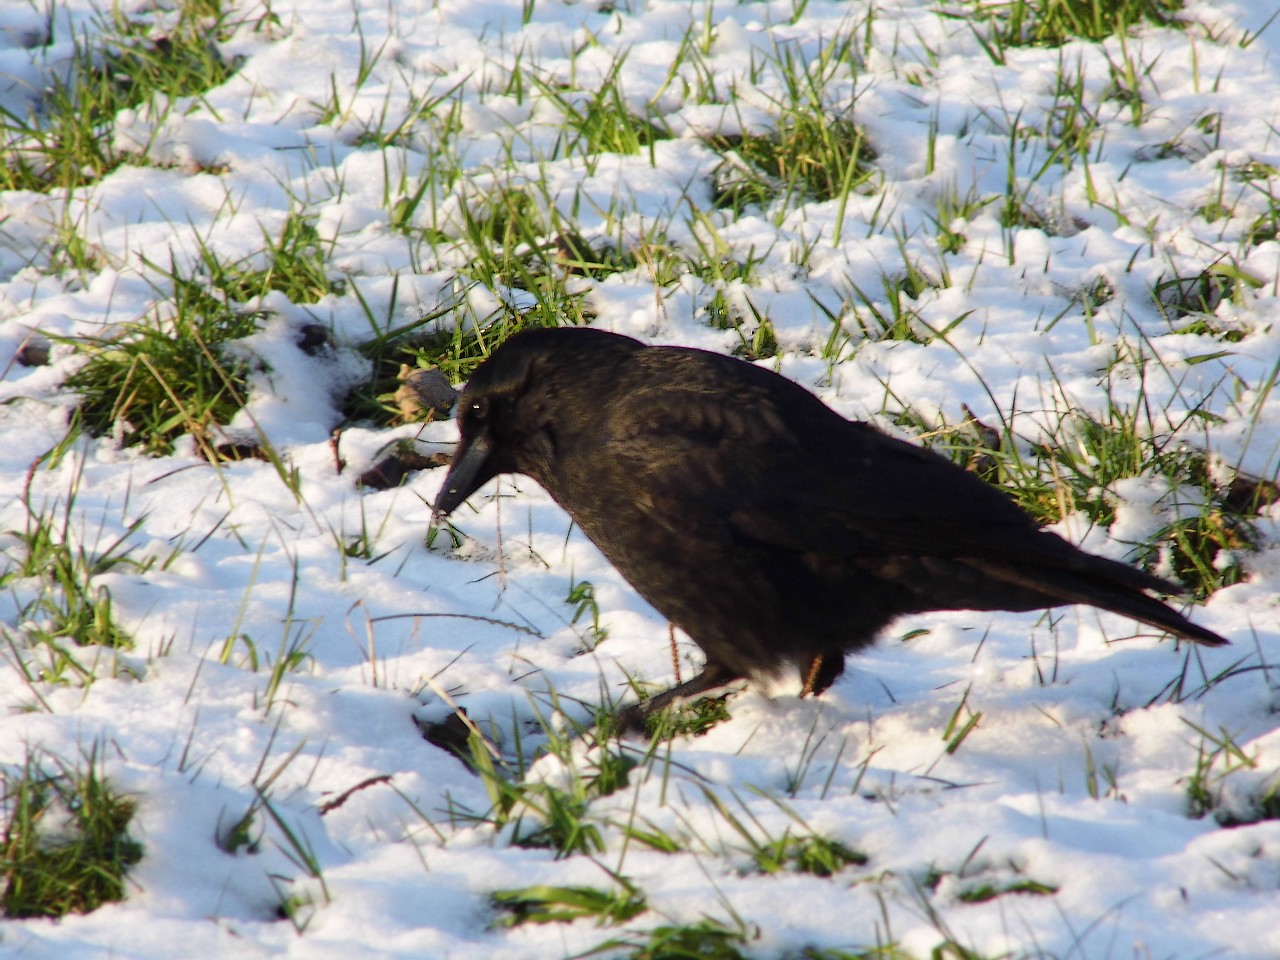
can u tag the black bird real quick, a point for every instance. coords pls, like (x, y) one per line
(766, 526)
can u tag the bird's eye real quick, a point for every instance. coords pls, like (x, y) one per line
(478, 408)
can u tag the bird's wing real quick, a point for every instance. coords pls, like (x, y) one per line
(898, 500)
(744, 462)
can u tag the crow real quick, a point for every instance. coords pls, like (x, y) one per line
(766, 526)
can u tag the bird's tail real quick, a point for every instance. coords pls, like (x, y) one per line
(1107, 584)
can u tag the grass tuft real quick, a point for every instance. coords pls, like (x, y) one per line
(168, 375)
(66, 139)
(541, 814)
(560, 904)
(1221, 766)
(62, 609)
(811, 156)
(707, 939)
(66, 845)
(1052, 23)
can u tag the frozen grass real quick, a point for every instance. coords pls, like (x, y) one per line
(1039, 237)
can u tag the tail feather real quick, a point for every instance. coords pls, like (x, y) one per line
(1109, 585)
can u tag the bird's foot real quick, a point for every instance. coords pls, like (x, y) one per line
(635, 718)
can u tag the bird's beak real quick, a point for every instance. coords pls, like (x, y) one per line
(470, 471)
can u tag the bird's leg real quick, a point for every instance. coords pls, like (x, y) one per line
(811, 676)
(632, 719)
(821, 673)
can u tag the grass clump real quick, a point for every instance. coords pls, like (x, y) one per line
(1052, 23)
(811, 156)
(541, 814)
(61, 608)
(599, 121)
(513, 238)
(77, 612)
(558, 904)
(816, 152)
(757, 338)
(66, 844)
(708, 939)
(1205, 549)
(888, 951)
(170, 374)
(515, 264)
(167, 375)
(893, 316)
(293, 263)
(65, 139)
(806, 852)
(1220, 763)
(582, 597)
(815, 855)
(988, 890)
(1189, 304)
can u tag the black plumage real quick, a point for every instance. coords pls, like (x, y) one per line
(766, 526)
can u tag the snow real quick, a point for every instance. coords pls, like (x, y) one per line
(1076, 773)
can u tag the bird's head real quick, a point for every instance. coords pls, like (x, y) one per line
(508, 415)
(486, 414)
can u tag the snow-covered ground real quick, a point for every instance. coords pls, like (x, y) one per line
(273, 675)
